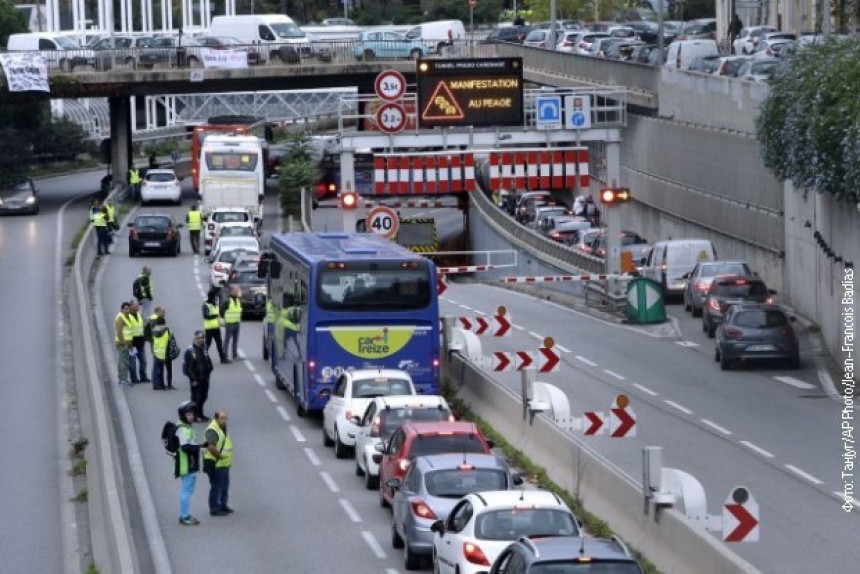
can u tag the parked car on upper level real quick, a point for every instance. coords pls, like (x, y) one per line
(759, 70)
(745, 42)
(702, 29)
(766, 49)
(438, 34)
(729, 66)
(621, 51)
(119, 50)
(537, 39)
(728, 290)
(704, 64)
(231, 43)
(586, 40)
(753, 331)
(382, 44)
(512, 34)
(681, 53)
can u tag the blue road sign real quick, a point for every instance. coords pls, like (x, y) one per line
(548, 112)
(578, 119)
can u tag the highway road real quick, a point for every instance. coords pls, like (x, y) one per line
(36, 530)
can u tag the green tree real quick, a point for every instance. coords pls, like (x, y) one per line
(11, 21)
(486, 12)
(298, 169)
(570, 9)
(809, 127)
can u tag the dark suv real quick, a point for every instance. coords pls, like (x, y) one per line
(566, 555)
(730, 290)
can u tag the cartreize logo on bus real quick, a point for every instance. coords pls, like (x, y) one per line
(372, 342)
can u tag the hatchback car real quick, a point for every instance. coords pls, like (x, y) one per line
(352, 393)
(221, 215)
(537, 39)
(512, 34)
(756, 332)
(730, 290)
(745, 42)
(431, 488)
(758, 70)
(160, 185)
(153, 232)
(421, 439)
(230, 43)
(729, 65)
(382, 417)
(19, 196)
(482, 524)
(526, 204)
(375, 44)
(585, 41)
(566, 555)
(243, 274)
(222, 261)
(243, 229)
(699, 280)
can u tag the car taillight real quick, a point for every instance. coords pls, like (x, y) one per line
(701, 286)
(555, 235)
(731, 333)
(583, 46)
(347, 414)
(567, 44)
(170, 234)
(787, 332)
(403, 465)
(211, 227)
(421, 510)
(374, 428)
(133, 233)
(218, 267)
(474, 555)
(714, 304)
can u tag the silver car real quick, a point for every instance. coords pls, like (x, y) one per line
(700, 278)
(431, 487)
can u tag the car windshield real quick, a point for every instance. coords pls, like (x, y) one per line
(160, 177)
(152, 222)
(590, 567)
(379, 387)
(761, 319)
(67, 43)
(440, 444)
(287, 30)
(393, 418)
(510, 524)
(228, 216)
(739, 288)
(731, 268)
(458, 482)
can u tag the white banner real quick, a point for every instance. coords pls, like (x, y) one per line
(25, 71)
(228, 59)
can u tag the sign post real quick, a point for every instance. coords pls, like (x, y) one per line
(472, 5)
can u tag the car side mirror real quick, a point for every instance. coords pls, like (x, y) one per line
(438, 526)
(518, 480)
(491, 443)
(771, 291)
(356, 420)
(129, 224)
(685, 276)
(393, 483)
(792, 319)
(379, 447)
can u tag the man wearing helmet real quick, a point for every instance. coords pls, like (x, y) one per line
(187, 460)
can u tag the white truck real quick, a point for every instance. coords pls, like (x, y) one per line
(232, 173)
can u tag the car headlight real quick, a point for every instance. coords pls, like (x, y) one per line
(30, 200)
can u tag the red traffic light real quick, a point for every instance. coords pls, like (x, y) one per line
(349, 200)
(610, 196)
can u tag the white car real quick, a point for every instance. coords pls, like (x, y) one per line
(160, 185)
(235, 229)
(585, 42)
(223, 260)
(352, 393)
(483, 524)
(745, 42)
(381, 418)
(221, 215)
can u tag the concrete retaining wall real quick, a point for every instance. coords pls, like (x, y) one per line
(673, 544)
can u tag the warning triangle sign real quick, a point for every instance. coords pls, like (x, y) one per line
(442, 105)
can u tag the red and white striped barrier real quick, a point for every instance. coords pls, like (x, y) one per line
(540, 168)
(398, 204)
(423, 174)
(466, 269)
(561, 278)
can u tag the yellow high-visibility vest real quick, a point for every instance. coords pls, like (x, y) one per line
(127, 329)
(211, 323)
(224, 445)
(233, 314)
(195, 220)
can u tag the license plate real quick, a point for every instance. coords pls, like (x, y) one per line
(152, 244)
(760, 348)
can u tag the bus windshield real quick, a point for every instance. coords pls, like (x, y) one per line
(231, 161)
(352, 289)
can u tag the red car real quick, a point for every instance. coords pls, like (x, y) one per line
(423, 438)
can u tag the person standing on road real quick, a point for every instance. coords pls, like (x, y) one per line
(134, 182)
(217, 459)
(111, 215)
(212, 323)
(231, 310)
(197, 366)
(142, 290)
(194, 219)
(100, 223)
(137, 355)
(187, 461)
(161, 361)
(735, 27)
(123, 331)
(159, 311)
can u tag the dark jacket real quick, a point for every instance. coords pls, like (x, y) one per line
(207, 313)
(197, 365)
(189, 451)
(142, 288)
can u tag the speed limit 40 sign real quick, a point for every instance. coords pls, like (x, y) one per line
(383, 221)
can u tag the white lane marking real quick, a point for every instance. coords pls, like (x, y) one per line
(517, 327)
(329, 481)
(391, 571)
(271, 395)
(687, 343)
(757, 449)
(827, 382)
(350, 511)
(250, 367)
(375, 547)
(614, 374)
(537, 336)
(466, 307)
(480, 313)
(681, 408)
(242, 354)
(794, 382)
(451, 301)
(259, 380)
(803, 474)
(563, 349)
(645, 389)
(312, 456)
(586, 361)
(297, 433)
(839, 495)
(284, 414)
(717, 427)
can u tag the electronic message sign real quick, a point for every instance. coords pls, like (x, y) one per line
(480, 92)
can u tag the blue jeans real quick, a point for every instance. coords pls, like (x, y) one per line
(134, 362)
(219, 489)
(189, 481)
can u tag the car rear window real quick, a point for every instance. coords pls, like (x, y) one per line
(249, 277)
(714, 270)
(160, 177)
(740, 288)
(393, 418)
(153, 222)
(237, 231)
(510, 524)
(440, 444)
(456, 483)
(228, 216)
(593, 566)
(232, 255)
(379, 387)
(761, 319)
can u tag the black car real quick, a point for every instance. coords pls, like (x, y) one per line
(756, 332)
(19, 196)
(566, 555)
(513, 34)
(153, 232)
(244, 275)
(729, 290)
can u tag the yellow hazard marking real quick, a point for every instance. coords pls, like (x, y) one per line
(443, 105)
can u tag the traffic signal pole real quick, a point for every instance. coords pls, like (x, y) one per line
(611, 213)
(347, 185)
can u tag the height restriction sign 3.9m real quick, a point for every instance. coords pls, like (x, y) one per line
(482, 92)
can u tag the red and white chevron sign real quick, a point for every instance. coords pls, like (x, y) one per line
(497, 326)
(441, 285)
(513, 360)
(740, 516)
(548, 360)
(622, 422)
(592, 423)
(503, 326)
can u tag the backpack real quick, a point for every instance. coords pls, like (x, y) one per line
(169, 438)
(173, 351)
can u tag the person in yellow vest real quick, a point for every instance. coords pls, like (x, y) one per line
(290, 319)
(231, 310)
(161, 361)
(100, 223)
(111, 215)
(134, 182)
(194, 219)
(212, 323)
(137, 353)
(123, 332)
(217, 460)
(187, 461)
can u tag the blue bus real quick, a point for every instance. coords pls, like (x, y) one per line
(354, 300)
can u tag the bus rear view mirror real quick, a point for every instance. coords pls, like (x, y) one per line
(361, 226)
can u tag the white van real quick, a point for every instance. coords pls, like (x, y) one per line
(437, 35)
(670, 260)
(681, 54)
(60, 51)
(278, 35)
